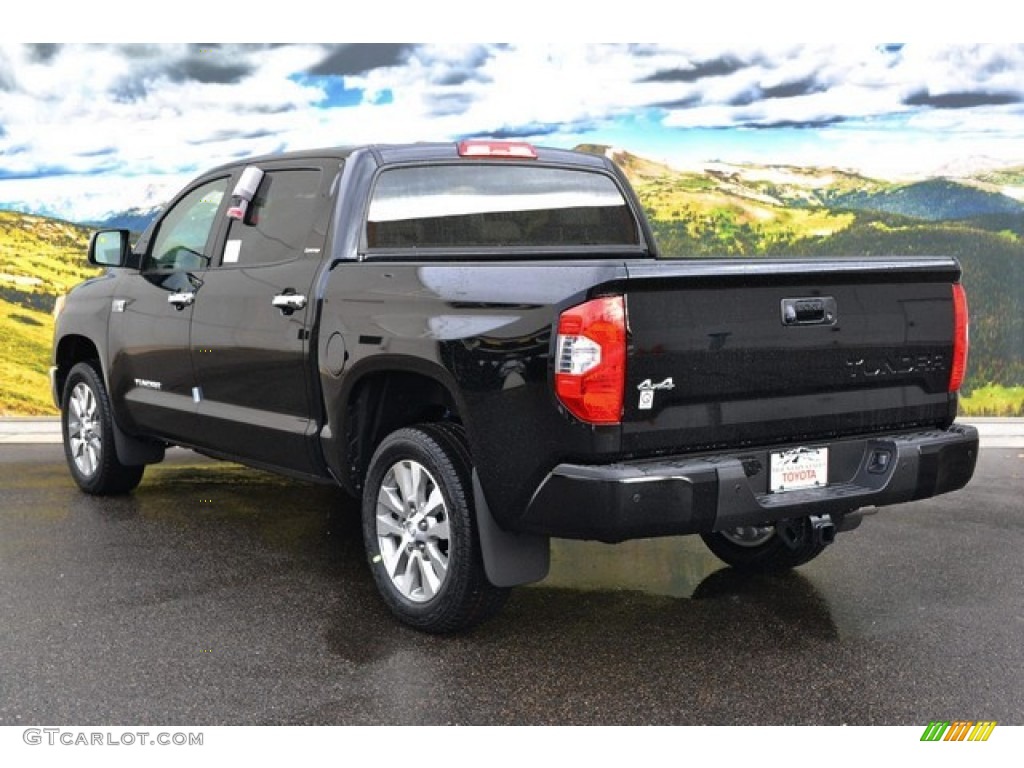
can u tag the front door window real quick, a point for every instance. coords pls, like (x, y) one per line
(181, 240)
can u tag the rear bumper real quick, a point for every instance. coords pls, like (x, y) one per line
(679, 495)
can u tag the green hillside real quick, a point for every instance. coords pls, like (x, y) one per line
(1012, 177)
(698, 215)
(40, 259)
(931, 200)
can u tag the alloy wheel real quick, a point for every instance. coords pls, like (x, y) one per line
(84, 430)
(413, 531)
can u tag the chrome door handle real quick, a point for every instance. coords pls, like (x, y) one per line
(181, 300)
(289, 302)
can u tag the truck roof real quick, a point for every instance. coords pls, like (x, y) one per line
(388, 154)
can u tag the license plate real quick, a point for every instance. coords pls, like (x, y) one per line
(799, 468)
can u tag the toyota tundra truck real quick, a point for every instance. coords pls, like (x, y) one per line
(481, 341)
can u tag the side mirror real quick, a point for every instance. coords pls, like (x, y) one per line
(110, 248)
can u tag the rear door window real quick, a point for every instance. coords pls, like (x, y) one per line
(279, 220)
(497, 206)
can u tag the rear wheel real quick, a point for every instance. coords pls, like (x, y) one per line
(88, 431)
(419, 530)
(767, 548)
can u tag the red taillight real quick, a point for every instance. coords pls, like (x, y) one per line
(479, 148)
(960, 338)
(590, 363)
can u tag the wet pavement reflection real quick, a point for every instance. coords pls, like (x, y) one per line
(218, 594)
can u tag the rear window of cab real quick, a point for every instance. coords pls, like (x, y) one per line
(495, 206)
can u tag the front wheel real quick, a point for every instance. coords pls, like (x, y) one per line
(88, 430)
(420, 532)
(768, 548)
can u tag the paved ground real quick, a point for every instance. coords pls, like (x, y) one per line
(221, 595)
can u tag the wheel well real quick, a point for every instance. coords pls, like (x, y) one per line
(70, 351)
(383, 402)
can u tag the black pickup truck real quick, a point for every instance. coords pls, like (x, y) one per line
(480, 340)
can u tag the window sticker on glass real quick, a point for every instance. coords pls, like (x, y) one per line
(232, 249)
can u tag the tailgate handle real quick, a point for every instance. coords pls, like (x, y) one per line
(814, 310)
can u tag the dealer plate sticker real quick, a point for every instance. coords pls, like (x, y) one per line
(799, 468)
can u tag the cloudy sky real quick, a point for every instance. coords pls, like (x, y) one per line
(90, 129)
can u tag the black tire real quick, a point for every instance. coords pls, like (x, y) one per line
(768, 552)
(425, 555)
(88, 430)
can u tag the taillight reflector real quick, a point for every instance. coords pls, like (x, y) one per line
(961, 338)
(590, 360)
(479, 148)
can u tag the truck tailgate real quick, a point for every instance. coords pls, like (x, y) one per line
(730, 353)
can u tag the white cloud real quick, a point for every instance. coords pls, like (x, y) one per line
(68, 112)
(122, 111)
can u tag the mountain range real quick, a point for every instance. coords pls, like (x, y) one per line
(798, 200)
(788, 196)
(134, 219)
(768, 194)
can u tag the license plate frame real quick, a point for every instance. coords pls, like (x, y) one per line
(798, 469)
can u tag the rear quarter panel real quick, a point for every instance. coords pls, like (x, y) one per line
(483, 330)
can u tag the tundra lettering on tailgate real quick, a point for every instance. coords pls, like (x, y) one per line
(871, 368)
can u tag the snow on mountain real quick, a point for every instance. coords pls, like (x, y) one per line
(88, 198)
(969, 167)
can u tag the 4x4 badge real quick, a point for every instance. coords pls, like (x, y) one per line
(647, 389)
